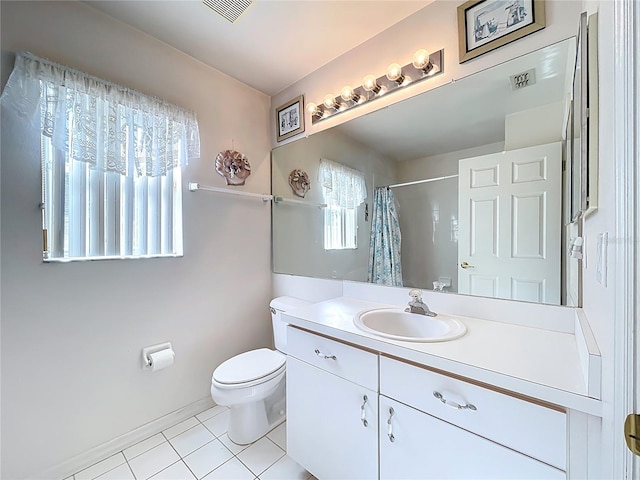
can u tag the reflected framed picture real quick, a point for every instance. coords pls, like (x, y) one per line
(290, 118)
(484, 25)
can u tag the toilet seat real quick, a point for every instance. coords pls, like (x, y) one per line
(249, 368)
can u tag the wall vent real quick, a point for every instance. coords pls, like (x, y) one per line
(523, 79)
(229, 9)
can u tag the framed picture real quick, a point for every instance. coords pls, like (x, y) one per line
(290, 118)
(487, 24)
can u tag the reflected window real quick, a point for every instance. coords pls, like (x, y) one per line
(340, 228)
(343, 190)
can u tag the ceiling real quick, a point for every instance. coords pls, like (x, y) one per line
(274, 43)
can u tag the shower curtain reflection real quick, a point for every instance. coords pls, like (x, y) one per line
(385, 267)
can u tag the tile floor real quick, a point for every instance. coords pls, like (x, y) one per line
(199, 448)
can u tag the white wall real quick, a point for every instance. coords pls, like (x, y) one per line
(536, 126)
(72, 333)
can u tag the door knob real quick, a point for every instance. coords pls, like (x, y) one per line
(466, 265)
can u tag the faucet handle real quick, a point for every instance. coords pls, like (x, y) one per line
(415, 293)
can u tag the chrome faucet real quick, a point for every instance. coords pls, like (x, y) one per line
(416, 305)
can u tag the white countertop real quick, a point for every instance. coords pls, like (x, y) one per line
(539, 363)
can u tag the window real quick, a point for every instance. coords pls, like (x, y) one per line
(89, 213)
(111, 162)
(343, 189)
(340, 228)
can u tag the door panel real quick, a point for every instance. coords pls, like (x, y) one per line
(326, 433)
(510, 230)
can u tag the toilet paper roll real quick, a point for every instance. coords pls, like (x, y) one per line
(161, 359)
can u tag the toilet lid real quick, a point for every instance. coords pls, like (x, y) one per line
(249, 366)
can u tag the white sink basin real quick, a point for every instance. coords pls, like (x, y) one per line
(397, 324)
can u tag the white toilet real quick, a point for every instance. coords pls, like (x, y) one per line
(252, 384)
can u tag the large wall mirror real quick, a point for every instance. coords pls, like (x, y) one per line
(468, 175)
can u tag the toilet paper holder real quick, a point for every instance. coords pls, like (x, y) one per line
(147, 351)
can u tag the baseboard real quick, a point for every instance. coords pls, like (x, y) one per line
(90, 457)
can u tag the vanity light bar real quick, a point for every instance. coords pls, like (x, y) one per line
(373, 88)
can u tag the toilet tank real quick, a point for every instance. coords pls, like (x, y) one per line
(278, 306)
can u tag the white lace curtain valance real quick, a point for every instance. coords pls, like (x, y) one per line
(341, 186)
(111, 127)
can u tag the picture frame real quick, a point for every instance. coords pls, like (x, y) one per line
(484, 25)
(290, 118)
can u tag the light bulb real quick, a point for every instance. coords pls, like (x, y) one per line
(420, 59)
(346, 93)
(312, 108)
(394, 73)
(370, 84)
(329, 101)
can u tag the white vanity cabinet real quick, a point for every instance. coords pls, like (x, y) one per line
(332, 407)
(436, 426)
(358, 414)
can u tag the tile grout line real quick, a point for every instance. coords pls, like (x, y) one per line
(271, 465)
(181, 458)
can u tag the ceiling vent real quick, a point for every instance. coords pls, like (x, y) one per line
(229, 9)
(522, 80)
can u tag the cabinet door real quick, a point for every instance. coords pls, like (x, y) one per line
(326, 433)
(424, 447)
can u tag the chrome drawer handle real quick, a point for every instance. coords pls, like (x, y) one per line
(452, 404)
(390, 427)
(363, 414)
(326, 357)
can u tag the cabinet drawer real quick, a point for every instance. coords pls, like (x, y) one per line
(532, 429)
(358, 366)
(417, 446)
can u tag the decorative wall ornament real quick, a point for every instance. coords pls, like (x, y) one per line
(233, 166)
(299, 182)
(487, 24)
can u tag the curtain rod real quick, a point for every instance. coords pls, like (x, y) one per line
(426, 180)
